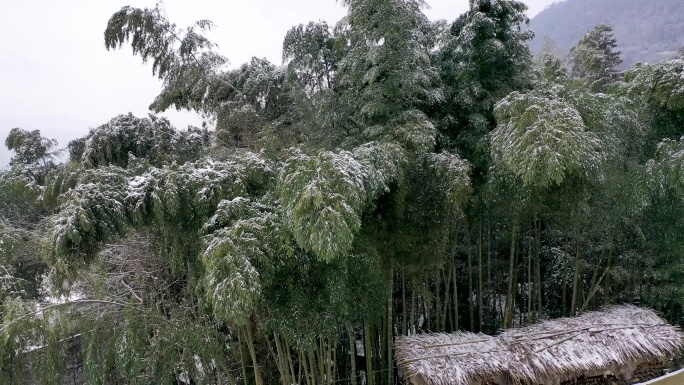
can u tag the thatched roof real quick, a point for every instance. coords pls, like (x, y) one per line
(611, 341)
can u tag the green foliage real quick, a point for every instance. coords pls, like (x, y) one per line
(59, 181)
(153, 138)
(483, 57)
(667, 169)
(312, 54)
(549, 66)
(89, 214)
(243, 234)
(182, 58)
(19, 197)
(34, 154)
(29, 146)
(453, 174)
(660, 83)
(595, 60)
(387, 72)
(542, 139)
(324, 196)
(21, 266)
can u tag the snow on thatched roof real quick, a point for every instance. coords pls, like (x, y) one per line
(611, 341)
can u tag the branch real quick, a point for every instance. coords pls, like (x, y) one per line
(77, 302)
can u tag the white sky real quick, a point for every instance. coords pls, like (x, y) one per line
(56, 76)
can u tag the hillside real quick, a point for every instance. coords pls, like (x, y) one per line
(646, 30)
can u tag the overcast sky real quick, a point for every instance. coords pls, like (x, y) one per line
(56, 76)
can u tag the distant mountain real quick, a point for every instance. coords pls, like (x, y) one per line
(646, 30)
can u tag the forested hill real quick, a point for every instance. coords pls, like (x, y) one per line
(646, 30)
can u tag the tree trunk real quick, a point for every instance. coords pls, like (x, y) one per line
(368, 348)
(446, 277)
(438, 301)
(509, 296)
(564, 285)
(389, 329)
(530, 285)
(404, 313)
(352, 354)
(489, 266)
(252, 352)
(453, 272)
(242, 357)
(537, 271)
(606, 290)
(480, 308)
(470, 285)
(414, 327)
(575, 280)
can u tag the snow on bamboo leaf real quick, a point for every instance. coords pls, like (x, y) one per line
(663, 83)
(193, 190)
(667, 169)
(542, 139)
(454, 175)
(88, 216)
(324, 196)
(242, 235)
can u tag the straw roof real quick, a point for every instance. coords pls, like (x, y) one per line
(611, 341)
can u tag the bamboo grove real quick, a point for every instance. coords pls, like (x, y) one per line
(395, 175)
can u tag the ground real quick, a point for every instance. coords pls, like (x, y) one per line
(676, 378)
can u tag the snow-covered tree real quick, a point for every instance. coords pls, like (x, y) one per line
(483, 57)
(386, 72)
(542, 139)
(595, 59)
(34, 155)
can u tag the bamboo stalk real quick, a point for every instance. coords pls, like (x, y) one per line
(489, 264)
(438, 301)
(480, 309)
(389, 328)
(557, 343)
(413, 309)
(446, 277)
(284, 355)
(606, 296)
(242, 358)
(289, 360)
(530, 287)
(321, 360)
(279, 363)
(509, 297)
(352, 354)
(252, 352)
(455, 282)
(575, 280)
(312, 367)
(404, 313)
(367, 350)
(593, 291)
(537, 272)
(302, 364)
(470, 284)
(329, 362)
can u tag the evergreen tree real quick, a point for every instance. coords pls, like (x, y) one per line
(483, 57)
(595, 59)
